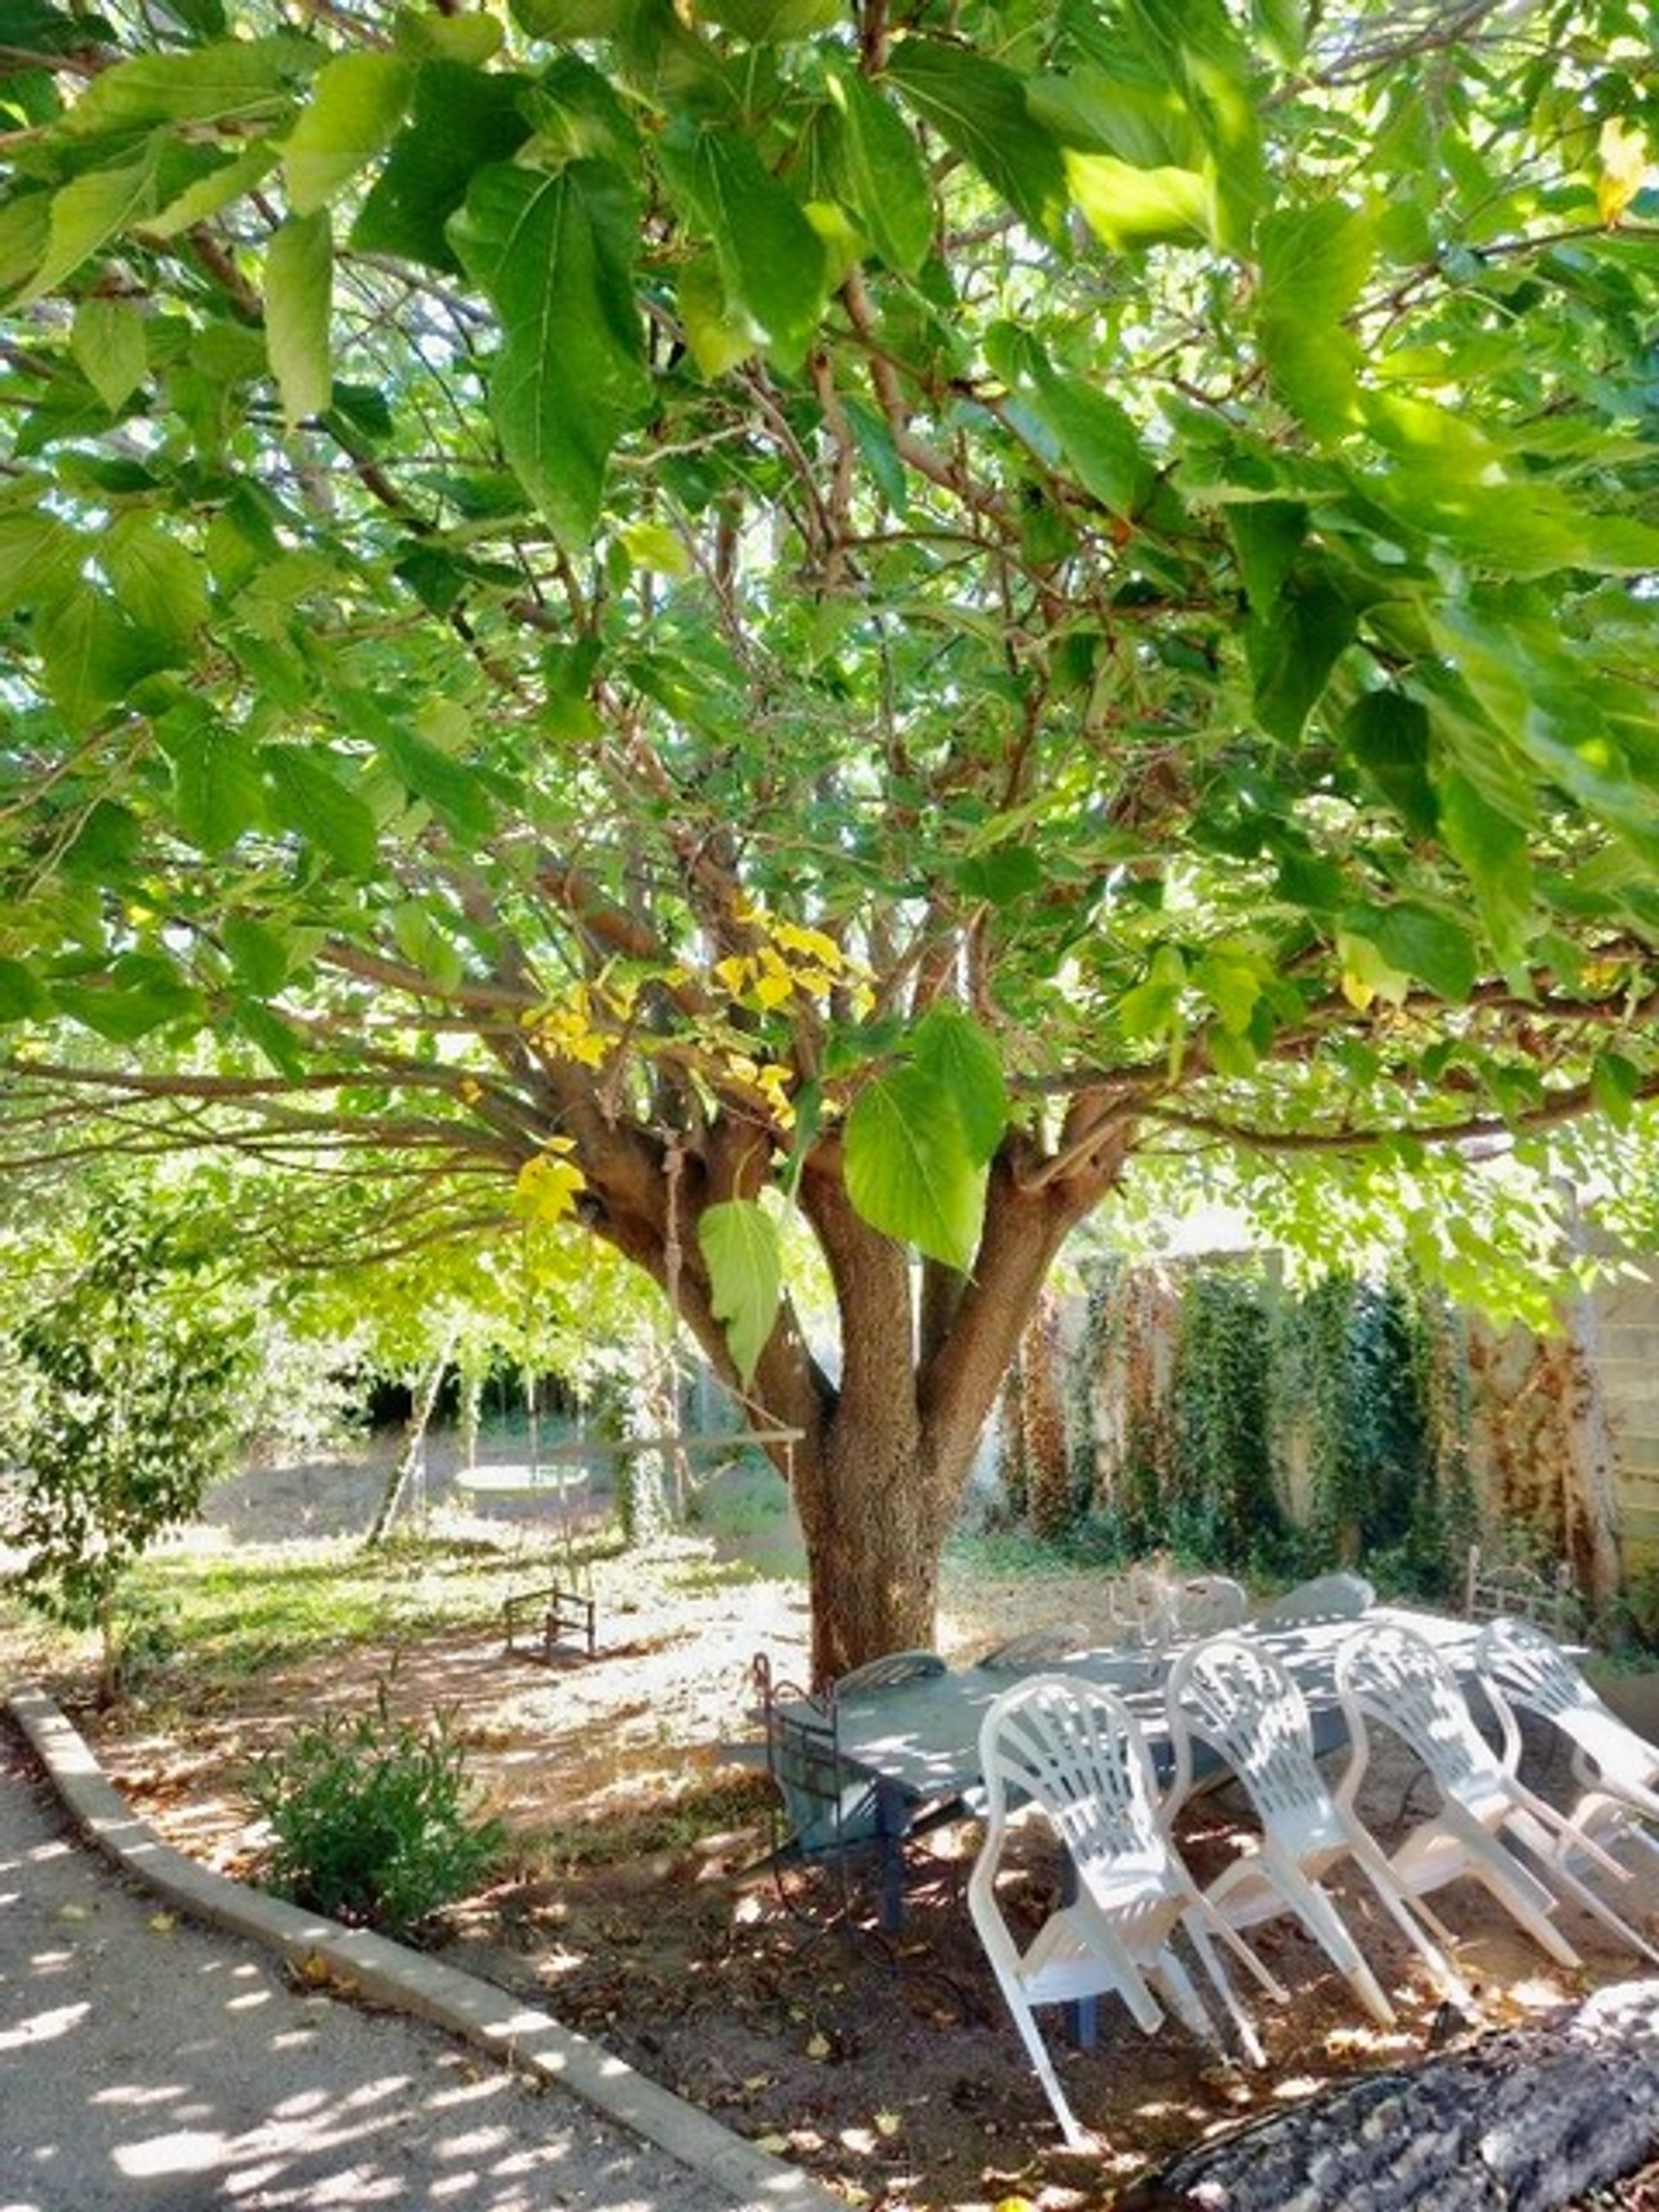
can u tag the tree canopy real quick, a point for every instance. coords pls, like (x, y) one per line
(896, 604)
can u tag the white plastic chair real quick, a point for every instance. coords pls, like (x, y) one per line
(1074, 1751)
(1037, 1647)
(1327, 1598)
(1207, 1604)
(1242, 1702)
(1394, 1677)
(1616, 1770)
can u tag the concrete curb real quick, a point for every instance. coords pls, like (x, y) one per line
(359, 1963)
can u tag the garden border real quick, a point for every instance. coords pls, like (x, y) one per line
(357, 1962)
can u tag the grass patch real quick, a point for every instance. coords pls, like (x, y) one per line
(228, 1617)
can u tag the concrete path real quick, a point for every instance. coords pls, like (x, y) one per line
(148, 2061)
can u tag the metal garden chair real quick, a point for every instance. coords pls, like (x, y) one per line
(1392, 1677)
(1074, 1753)
(1618, 1771)
(1242, 1702)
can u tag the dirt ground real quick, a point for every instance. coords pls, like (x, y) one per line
(633, 1910)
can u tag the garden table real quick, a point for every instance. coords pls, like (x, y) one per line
(918, 1741)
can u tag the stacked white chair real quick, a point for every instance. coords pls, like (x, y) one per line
(1341, 1597)
(1618, 1771)
(1392, 1677)
(1240, 1700)
(1206, 1604)
(1073, 1753)
(1037, 1647)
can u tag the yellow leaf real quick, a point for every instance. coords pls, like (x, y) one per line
(73, 1912)
(546, 1188)
(772, 990)
(1014, 2204)
(776, 2145)
(162, 1923)
(888, 2123)
(1624, 168)
(735, 973)
(813, 942)
(818, 2046)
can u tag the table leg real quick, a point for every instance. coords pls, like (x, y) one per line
(890, 1824)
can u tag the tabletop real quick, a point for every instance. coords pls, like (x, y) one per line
(922, 1736)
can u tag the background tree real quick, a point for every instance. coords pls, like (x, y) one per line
(122, 1404)
(886, 609)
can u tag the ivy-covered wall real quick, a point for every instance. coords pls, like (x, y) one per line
(1209, 1408)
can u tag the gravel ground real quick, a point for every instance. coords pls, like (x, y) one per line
(144, 2063)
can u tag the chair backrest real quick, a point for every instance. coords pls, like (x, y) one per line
(1209, 1603)
(1242, 1701)
(1394, 1676)
(1341, 1597)
(1077, 1752)
(892, 1668)
(1037, 1647)
(1497, 1588)
(826, 1807)
(1531, 1670)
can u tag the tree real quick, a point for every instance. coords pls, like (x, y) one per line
(122, 1389)
(886, 609)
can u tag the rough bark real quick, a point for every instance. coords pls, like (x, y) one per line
(1048, 1469)
(1524, 2121)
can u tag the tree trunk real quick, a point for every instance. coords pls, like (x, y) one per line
(874, 1557)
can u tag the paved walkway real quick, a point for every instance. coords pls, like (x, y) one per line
(146, 2061)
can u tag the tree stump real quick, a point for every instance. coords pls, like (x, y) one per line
(1526, 2119)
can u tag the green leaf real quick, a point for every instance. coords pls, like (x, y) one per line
(979, 108)
(107, 340)
(123, 1015)
(1127, 208)
(215, 188)
(91, 654)
(1432, 946)
(1292, 653)
(356, 104)
(1315, 263)
(1614, 1084)
(308, 797)
(462, 121)
(1268, 534)
(258, 953)
(554, 254)
(24, 997)
(1100, 441)
(1388, 735)
(216, 788)
(909, 1170)
(25, 225)
(739, 1245)
(160, 582)
(951, 1048)
(39, 555)
(452, 790)
(239, 80)
(299, 283)
(771, 259)
(89, 212)
(883, 179)
(1495, 854)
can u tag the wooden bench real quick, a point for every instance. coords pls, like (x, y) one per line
(536, 1622)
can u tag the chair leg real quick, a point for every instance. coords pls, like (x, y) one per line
(1489, 1868)
(1325, 1925)
(1244, 2027)
(1184, 2001)
(1582, 1894)
(1414, 1920)
(1037, 2051)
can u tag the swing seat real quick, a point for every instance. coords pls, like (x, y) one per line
(537, 1622)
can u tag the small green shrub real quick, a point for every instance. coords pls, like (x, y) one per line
(374, 1819)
